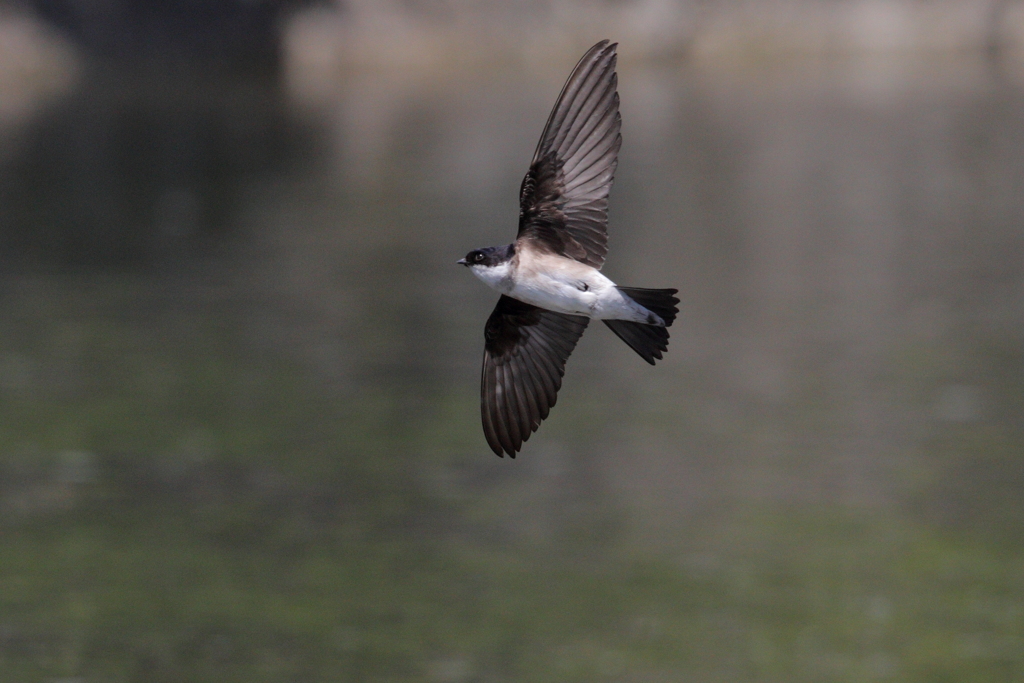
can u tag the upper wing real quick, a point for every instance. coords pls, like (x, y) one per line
(563, 202)
(525, 351)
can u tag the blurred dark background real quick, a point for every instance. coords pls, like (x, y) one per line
(239, 423)
(176, 105)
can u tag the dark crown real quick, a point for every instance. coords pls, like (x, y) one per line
(490, 256)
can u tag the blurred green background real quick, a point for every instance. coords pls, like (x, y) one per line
(239, 423)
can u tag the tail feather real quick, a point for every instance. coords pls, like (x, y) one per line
(661, 301)
(649, 341)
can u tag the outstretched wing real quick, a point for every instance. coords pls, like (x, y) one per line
(563, 201)
(525, 349)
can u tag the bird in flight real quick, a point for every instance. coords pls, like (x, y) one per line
(549, 278)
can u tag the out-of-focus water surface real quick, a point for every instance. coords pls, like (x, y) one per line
(240, 434)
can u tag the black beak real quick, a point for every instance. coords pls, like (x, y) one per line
(462, 262)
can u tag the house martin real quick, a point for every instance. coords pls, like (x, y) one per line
(549, 278)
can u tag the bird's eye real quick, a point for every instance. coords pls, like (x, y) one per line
(478, 257)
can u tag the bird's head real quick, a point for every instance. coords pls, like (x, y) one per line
(491, 264)
(488, 257)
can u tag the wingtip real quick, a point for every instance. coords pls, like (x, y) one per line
(602, 47)
(501, 451)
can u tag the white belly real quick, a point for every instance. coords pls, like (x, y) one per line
(565, 286)
(563, 293)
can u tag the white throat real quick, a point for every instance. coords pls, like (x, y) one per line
(497, 277)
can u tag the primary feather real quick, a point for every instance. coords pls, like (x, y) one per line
(563, 201)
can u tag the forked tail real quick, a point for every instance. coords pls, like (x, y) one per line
(649, 341)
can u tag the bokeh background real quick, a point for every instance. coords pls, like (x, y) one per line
(239, 427)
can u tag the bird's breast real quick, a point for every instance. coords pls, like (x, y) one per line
(558, 284)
